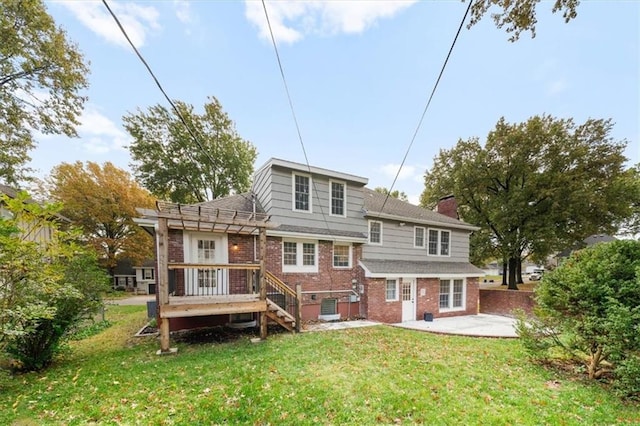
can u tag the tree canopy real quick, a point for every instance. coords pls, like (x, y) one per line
(535, 187)
(519, 15)
(41, 77)
(102, 201)
(174, 165)
(400, 195)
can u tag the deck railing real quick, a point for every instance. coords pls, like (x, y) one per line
(213, 280)
(279, 293)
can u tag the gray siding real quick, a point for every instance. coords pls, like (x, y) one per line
(397, 244)
(275, 194)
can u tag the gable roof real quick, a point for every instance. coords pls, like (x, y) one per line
(240, 202)
(399, 210)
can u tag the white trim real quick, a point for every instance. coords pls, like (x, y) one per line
(369, 232)
(461, 225)
(464, 294)
(424, 237)
(439, 241)
(304, 235)
(344, 200)
(293, 192)
(397, 280)
(314, 170)
(341, 244)
(299, 268)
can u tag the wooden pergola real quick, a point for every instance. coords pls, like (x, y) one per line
(207, 219)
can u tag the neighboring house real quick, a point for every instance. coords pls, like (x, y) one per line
(40, 231)
(318, 244)
(146, 277)
(124, 276)
(136, 279)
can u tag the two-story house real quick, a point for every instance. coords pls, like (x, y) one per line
(308, 243)
(357, 252)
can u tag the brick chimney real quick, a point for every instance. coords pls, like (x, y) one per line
(448, 206)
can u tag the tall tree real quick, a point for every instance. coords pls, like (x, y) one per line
(102, 201)
(207, 162)
(536, 187)
(41, 77)
(519, 15)
(400, 195)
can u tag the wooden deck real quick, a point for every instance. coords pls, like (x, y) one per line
(193, 306)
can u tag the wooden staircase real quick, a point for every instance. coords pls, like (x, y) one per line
(283, 304)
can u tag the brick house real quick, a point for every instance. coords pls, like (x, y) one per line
(341, 249)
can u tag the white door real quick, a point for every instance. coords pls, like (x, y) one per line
(207, 282)
(408, 290)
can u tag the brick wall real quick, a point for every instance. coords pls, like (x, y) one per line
(504, 302)
(328, 278)
(427, 300)
(240, 249)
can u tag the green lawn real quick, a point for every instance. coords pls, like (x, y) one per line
(360, 376)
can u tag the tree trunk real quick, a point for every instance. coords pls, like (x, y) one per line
(593, 366)
(519, 271)
(512, 274)
(504, 272)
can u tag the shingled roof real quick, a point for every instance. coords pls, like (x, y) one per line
(374, 268)
(401, 210)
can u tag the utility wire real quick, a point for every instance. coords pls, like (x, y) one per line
(424, 112)
(295, 120)
(173, 105)
(293, 112)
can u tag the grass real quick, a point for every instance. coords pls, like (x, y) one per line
(497, 283)
(359, 376)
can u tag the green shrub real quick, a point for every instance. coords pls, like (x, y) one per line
(589, 308)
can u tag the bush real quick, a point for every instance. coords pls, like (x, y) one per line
(77, 297)
(46, 288)
(589, 308)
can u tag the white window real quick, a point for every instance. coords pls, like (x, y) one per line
(439, 242)
(299, 256)
(391, 290)
(342, 256)
(338, 199)
(452, 294)
(418, 236)
(206, 250)
(147, 274)
(375, 232)
(301, 193)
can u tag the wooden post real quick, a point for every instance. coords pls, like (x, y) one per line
(163, 282)
(262, 283)
(298, 307)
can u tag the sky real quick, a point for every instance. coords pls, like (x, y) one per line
(359, 73)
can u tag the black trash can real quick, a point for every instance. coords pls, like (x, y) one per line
(428, 316)
(151, 309)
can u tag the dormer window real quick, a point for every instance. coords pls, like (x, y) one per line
(301, 193)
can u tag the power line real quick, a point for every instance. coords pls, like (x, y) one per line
(173, 105)
(424, 111)
(295, 120)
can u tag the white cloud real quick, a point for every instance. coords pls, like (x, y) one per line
(292, 20)
(98, 134)
(137, 20)
(183, 11)
(391, 170)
